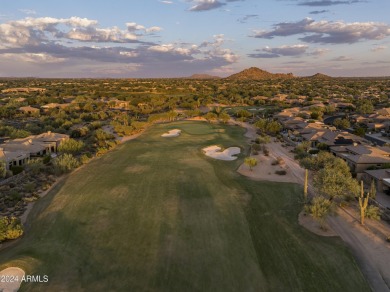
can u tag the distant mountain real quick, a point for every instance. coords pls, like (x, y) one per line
(319, 76)
(254, 73)
(203, 76)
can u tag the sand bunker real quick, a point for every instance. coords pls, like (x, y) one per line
(12, 279)
(172, 133)
(216, 153)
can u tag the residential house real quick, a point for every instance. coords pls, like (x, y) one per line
(29, 110)
(384, 112)
(38, 145)
(14, 158)
(50, 106)
(361, 157)
(381, 177)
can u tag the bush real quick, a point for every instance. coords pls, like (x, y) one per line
(10, 228)
(373, 212)
(65, 163)
(279, 160)
(46, 159)
(281, 172)
(256, 147)
(16, 169)
(3, 169)
(85, 158)
(265, 151)
(71, 146)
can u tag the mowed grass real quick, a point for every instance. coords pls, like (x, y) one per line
(155, 214)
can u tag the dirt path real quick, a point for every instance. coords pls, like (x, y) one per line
(371, 251)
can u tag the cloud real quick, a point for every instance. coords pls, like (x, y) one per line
(378, 48)
(318, 11)
(332, 32)
(28, 11)
(245, 18)
(32, 58)
(165, 2)
(319, 52)
(267, 52)
(323, 3)
(341, 59)
(263, 56)
(204, 5)
(35, 31)
(76, 42)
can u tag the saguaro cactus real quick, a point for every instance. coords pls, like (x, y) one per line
(363, 203)
(305, 187)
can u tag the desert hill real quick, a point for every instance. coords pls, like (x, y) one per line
(255, 73)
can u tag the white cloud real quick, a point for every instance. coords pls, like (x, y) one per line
(333, 32)
(204, 5)
(32, 58)
(378, 48)
(35, 31)
(28, 11)
(342, 59)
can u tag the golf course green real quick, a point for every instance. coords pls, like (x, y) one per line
(156, 214)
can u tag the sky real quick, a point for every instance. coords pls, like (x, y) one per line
(178, 38)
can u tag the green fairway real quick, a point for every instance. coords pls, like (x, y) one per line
(156, 214)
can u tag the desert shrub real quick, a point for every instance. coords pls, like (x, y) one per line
(256, 147)
(263, 140)
(35, 165)
(71, 146)
(29, 187)
(15, 196)
(281, 172)
(373, 212)
(265, 151)
(3, 169)
(10, 228)
(16, 169)
(84, 159)
(65, 163)
(46, 159)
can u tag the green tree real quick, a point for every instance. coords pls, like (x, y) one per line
(318, 162)
(274, 127)
(210, 116)
(365, 107)
(341, 123)
(261, 125)
(224, 117)
(335, 180)
(320, 208)
(251, 162)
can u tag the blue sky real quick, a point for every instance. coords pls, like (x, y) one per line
(176, 38)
